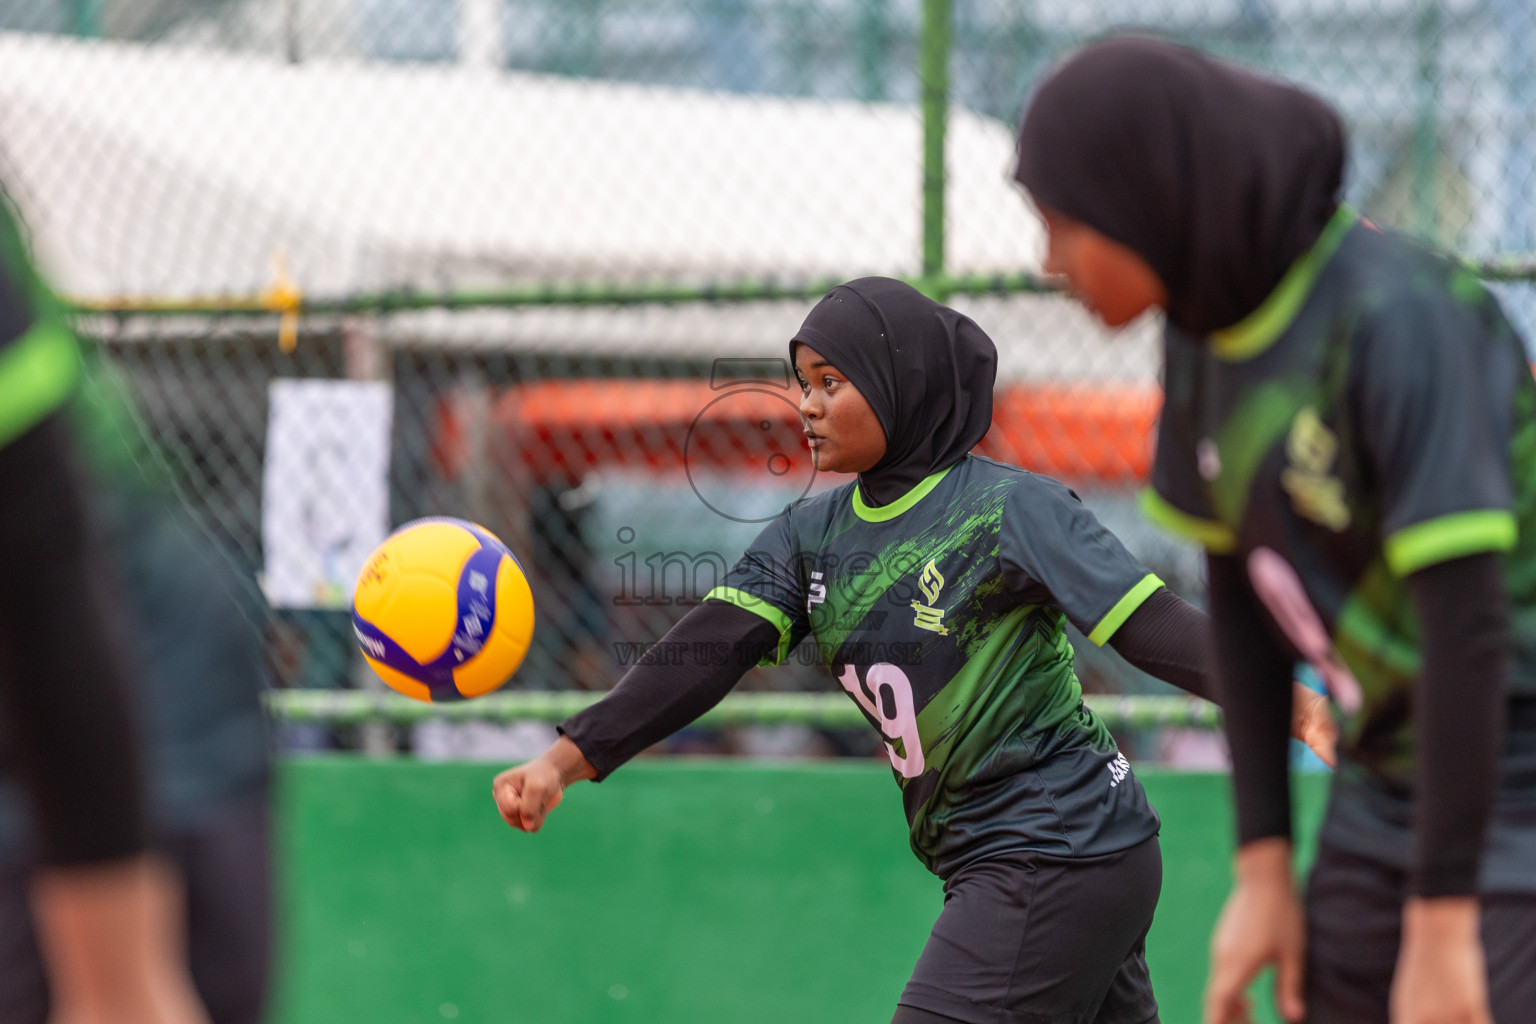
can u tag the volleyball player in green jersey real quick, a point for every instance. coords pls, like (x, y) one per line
(186, 647)
(937, 588)
(1350, 431)
(103, 906)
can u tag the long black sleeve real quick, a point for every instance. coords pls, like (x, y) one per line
(1459, 711)
(688, 672)
(1168, 638)
(1252, 673)
(64, 692)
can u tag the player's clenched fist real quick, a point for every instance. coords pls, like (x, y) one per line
(525, 794)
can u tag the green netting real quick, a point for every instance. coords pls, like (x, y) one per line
(544, 226)
(822, 710)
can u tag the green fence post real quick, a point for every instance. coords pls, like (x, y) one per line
(874, 49)
(1426, 182)
(933, 70)
(85, 18)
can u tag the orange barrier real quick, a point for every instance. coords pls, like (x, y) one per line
(1099, 433)
(1080, 433)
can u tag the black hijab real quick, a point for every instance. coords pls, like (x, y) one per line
(1217, 177)
(926, 371)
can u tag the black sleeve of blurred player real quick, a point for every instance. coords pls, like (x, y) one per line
(1460, 704)
(688, 672)
(64, 693)
(1168, 638)
(1252, 675)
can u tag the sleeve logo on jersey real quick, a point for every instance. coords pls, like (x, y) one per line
(1315, 494)
(818, 592)
(930, 582)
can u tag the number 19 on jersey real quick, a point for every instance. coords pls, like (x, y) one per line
(886, 694)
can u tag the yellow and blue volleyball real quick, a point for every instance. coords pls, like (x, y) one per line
(442, 610)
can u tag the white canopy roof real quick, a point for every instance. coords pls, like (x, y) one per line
(161, 172)
(158, 171)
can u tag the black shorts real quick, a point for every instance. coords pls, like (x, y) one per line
(1354, 926)
(1031, 939)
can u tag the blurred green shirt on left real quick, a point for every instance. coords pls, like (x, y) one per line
(194, 623)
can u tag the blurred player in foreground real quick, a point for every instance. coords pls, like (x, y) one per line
(105, 911)
(938, 586)
(1350, 430)
(130, 711)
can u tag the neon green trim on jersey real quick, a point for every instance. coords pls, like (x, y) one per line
(758, 606)
(1215, 537)
(1254, 333)
(37, 373)
(901, 504)
(1446, 537)
(1132, 600)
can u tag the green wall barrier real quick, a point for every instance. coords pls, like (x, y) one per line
(677, 892)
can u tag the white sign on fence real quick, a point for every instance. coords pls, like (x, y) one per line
(325, 488)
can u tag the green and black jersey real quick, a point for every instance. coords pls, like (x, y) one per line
(39, 363)
(943, 615)
(68, 729)
(79, 482)
(42, 371)
(1375, 416)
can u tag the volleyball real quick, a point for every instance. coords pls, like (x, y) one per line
(442, 610)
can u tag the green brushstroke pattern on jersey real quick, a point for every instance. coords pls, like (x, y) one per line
(850, 599)
(1028, 640)
(1376, 634)
(1259, 420)
(1018, 693)
(1029, 643)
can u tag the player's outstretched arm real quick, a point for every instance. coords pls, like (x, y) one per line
(1260, 926)
(1168, 638)
(688, 672)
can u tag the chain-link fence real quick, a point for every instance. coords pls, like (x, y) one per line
(548, 253)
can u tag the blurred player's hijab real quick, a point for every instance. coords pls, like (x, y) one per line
(926, 371)
(1215, 176)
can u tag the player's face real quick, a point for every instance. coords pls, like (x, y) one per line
(1114, 283)
(843, 432)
